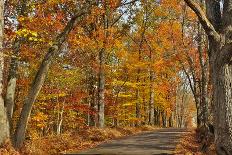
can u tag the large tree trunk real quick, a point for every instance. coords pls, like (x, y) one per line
(222, 101)
(4, 124)
(218, 27)
(41, 75)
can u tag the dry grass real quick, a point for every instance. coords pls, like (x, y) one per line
(77, 141)
(190, 145)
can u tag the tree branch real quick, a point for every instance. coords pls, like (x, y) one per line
(207, 25)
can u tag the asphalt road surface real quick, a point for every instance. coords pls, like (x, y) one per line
(161, 141)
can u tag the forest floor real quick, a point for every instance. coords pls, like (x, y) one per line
(160, 141)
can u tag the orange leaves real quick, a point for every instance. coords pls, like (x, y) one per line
(40, 119)
(114, 3)
(173, 7)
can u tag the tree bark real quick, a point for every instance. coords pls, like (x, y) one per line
(101, 90)
(92, 99)
(152, 99)
(60, 119)
(138, 105)
(4, 124)
(152, 90)
(222, 98)
(41, 75)
(12, 79)
(203, 92)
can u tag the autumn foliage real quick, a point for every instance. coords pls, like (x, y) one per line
(123, 60)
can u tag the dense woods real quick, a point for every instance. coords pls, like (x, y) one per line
(66, 65)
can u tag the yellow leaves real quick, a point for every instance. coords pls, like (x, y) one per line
(125, 95)
(44, 97)
(21, 19)
(30, 35)
(122, 54)
(172, 6)
(34, 34)
(26, 32)
(41, 119)
(159, 12)
(127, 104)
(126, 84)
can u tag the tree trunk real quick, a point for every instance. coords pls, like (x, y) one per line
(170, 120)
(152, 98)
(60, 120)
(146, 111)
(158, 117)
(11, 86)
(41, 75)
(137, 110)
(222, 101)
(92, 99)
(12, 77)
(4, 124)
(203, 96)
(199, 122)
(163, 119)
(93, 109)
(101, 89)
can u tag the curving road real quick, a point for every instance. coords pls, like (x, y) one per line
(161, 141)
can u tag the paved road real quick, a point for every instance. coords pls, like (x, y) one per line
(161, 141)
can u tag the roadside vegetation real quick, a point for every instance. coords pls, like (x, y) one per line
(72, 142)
